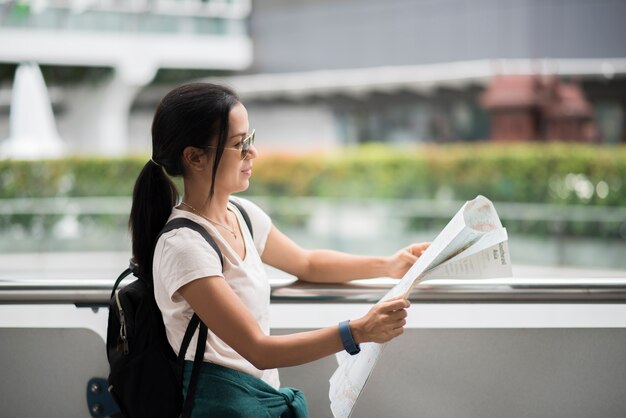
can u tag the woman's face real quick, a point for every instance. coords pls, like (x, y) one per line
(233, 174)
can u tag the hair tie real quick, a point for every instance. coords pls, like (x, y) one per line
(155, 163)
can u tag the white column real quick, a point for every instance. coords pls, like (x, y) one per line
(99, 114)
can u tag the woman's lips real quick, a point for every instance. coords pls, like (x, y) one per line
(247, 171)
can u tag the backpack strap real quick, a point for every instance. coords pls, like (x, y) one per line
(246, 218)
(178, 223)
(121, 277)
(197, 363)
(195, 321)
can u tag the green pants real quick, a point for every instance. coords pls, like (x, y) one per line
(227, 393)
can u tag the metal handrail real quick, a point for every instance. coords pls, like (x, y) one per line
(513, 290)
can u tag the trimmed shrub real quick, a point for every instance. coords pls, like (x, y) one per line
(530, 173)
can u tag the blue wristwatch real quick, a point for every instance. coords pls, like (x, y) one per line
(347, 339)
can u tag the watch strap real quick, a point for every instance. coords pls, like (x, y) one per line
(347, 339)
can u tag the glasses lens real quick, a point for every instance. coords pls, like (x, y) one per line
(245, 145)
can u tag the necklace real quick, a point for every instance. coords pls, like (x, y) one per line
(226, 227)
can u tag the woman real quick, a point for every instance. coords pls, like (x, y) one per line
(200, 132)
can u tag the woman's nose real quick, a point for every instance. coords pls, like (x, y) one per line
(253, 152)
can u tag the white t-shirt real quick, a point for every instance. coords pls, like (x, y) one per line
(182, 256)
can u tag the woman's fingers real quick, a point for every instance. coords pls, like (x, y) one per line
(385, 321)
(399, 314)
(407, 257)
(418, 249)
(395, 317)
(397, 331)
(396, 320)
(395, 310)
(395, 304)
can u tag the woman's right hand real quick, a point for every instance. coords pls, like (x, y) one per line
(383, 322)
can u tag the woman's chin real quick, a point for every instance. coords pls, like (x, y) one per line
(243, 186)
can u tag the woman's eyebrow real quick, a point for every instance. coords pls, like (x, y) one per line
(240, 134)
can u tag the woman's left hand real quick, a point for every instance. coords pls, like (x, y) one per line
(400, 262)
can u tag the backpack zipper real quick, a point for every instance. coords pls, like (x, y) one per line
(123, 335)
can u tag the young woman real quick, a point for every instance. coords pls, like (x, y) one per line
(201, 132)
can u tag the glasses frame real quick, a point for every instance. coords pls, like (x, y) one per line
(246, 143)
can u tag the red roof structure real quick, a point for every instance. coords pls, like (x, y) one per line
(535, 107)
(512, 92)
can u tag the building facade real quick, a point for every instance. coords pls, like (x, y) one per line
(132, 40)
(316, 74)
(399, 71)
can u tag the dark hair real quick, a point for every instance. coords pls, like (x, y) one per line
(190, 115)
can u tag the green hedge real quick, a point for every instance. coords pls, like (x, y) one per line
(542, 173)
(545, 173)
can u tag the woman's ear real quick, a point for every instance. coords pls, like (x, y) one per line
(194, 158)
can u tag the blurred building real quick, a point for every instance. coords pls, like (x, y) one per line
(407, 71)
(324, 73)
(538, 108)
(132, 40)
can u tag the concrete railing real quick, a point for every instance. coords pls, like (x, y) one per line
(520, 347)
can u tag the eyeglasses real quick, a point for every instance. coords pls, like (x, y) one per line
(244, 145)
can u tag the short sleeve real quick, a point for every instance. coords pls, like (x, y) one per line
(182, 256)
(261, 222)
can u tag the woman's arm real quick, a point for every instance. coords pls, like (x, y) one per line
(224, 314)
(327, 266)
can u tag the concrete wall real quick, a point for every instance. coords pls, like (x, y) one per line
(293, 127)
(487, 373)
(329, 34)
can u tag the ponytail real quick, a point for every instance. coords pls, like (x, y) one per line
(154, 196)
(192, 115)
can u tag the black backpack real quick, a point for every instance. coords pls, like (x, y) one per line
(145, 376)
